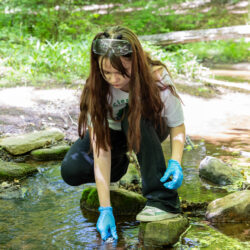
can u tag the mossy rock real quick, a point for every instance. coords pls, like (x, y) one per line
(164, 232)
(123, 202)
(11, 170)
(54, 153)
(22, 144)
(202, 236)
(234, 207)
(218, 172)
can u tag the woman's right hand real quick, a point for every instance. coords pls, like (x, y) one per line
(106, 223)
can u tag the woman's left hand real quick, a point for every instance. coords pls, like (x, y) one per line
(174, 169)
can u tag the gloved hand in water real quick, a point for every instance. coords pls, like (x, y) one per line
(106, 223)
(174, 169)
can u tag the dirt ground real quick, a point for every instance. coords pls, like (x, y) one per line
(223, 119)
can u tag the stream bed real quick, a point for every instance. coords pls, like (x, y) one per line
(48, 216)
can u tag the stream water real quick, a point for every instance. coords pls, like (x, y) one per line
(48, 215)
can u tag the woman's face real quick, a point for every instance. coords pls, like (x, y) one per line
(114, 77)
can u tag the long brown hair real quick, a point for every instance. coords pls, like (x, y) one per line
(144, 92)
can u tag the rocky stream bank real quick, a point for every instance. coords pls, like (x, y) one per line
(19, 154)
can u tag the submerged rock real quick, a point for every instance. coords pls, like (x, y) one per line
(202, 236)
(164, 232)
(11, 170)
(240, 231)
(53, 153)
(21, 144)
(123, 202)
(234, 207)
(218, 172)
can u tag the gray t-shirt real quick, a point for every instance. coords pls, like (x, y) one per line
(172, 106)
(172, 110)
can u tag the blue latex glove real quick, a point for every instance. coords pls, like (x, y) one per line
(174, 169)
(106, 223)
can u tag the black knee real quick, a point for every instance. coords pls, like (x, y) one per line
(67, 174)
(73, 173)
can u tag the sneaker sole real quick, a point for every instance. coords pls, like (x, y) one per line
(146, 218)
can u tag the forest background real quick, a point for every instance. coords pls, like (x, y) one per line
(47, 42)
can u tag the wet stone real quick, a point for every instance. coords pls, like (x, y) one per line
(164, 232)
(234, 230)
(234, 207)
(218, 172)
(54, 153)
(11, 170)
(22, 144)
(202, 236)
(124, 202)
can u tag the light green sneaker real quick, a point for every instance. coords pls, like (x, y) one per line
(154, 214)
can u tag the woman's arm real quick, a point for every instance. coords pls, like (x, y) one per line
(177, 137)
(102, 169)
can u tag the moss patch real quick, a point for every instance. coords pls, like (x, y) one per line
(53, 153)
(123, 202)
(11, 170)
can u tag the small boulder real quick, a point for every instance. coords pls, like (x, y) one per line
(53, 153)
(218, 172)
(11, 170)
(234, 207)
(123, 202)
(21, 144)
(164, 232)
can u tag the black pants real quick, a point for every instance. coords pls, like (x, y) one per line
(78, 165)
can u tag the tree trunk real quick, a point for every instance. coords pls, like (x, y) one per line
(190, 36)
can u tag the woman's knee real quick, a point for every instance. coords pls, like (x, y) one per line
(74, 174)
(68, 174)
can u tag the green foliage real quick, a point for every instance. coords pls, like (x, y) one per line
(51, 38)
(55, 20)
(146, 24)
(29, 58)
(66, 19)
(220, 51)
(152, 17)
(179, 61)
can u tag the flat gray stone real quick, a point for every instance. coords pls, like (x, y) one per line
(218, 172)
(234, 207)
(124, 202)
(11, 170)
(53, 153)
(21, 144)
(164, 232)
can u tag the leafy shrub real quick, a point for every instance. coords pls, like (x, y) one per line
(221, 51)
